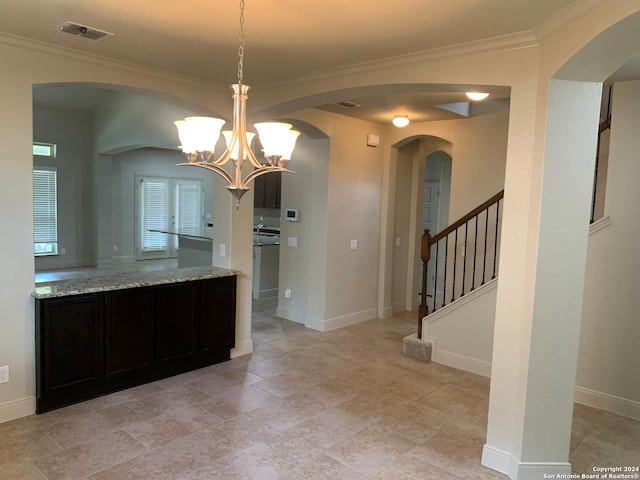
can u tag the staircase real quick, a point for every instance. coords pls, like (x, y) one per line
(459, 263)
(460, 258)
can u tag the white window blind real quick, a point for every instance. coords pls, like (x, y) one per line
(45, 211)
(189, 206)
(154, 212)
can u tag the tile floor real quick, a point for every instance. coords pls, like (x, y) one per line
(305, 405)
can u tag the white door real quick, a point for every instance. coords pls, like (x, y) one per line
(166, 205)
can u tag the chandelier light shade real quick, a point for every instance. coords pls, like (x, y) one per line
(199, 136)
(400, 121)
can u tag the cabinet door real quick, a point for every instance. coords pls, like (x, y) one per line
(272, 183)
(217, 317)
(258, 192)
(69, 349)
(177, 323)
(129, 333)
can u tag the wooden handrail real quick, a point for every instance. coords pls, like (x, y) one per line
(462, 220)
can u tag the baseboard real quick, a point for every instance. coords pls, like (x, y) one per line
(338, 322)
(17, 409)
(245, 348)
(351, 319)
(461, 362)
(505, 463)
(267, 293)
(610, 403)
(387, 312)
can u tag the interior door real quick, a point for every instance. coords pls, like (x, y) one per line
(430, 221)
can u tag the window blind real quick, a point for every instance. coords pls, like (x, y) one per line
(189, 206)
(45, 211)
(155, 213)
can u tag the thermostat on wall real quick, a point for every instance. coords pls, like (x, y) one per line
(291, 214)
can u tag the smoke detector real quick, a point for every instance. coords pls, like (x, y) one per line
(84, 31)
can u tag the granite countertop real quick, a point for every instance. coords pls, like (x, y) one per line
(123, 280)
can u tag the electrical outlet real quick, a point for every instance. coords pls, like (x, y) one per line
(4, 374)
(287, 293)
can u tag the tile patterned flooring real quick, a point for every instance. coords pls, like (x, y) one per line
(305, 405)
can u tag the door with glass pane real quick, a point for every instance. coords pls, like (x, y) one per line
(166, 205)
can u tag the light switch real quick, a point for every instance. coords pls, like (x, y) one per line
(292, 241)
(354, 244)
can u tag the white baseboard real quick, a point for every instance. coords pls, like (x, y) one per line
(17, 409)
(244, 348)
(610, 403)
(461, 362)
(339, 322)
(505, 463)
(351, 319)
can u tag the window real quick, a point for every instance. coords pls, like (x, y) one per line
(44, 150)
(45, 211)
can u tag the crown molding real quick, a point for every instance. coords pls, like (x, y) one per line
(488, 46)
(35, 46)
(550, 27)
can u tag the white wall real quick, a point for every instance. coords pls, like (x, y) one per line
(462, 333)
(609, 365)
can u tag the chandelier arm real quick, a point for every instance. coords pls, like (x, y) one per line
(222, 159)
(256, 173)
(214, 168)
(253, 160)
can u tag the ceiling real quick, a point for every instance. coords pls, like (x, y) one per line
(283, 38)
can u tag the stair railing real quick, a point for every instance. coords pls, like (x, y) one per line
(464, 256)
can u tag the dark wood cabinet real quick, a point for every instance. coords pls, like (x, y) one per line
(177, 322)
(267, 190)
(69, 349)
(89, 345)
(129, 333)
(217, 332)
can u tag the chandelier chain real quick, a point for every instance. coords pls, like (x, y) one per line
(241, 47)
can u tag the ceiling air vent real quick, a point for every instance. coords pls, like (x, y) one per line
(83, 31)
(347, 104)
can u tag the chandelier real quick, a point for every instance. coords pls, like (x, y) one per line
(199, 136)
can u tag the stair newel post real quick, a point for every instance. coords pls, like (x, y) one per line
(425, 255)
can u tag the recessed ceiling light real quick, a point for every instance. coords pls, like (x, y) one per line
(400, 121)
(475, 96)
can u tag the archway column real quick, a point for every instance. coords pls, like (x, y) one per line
(233, 237)
(550, 164)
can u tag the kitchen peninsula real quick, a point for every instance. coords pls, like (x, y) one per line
(97, 335)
